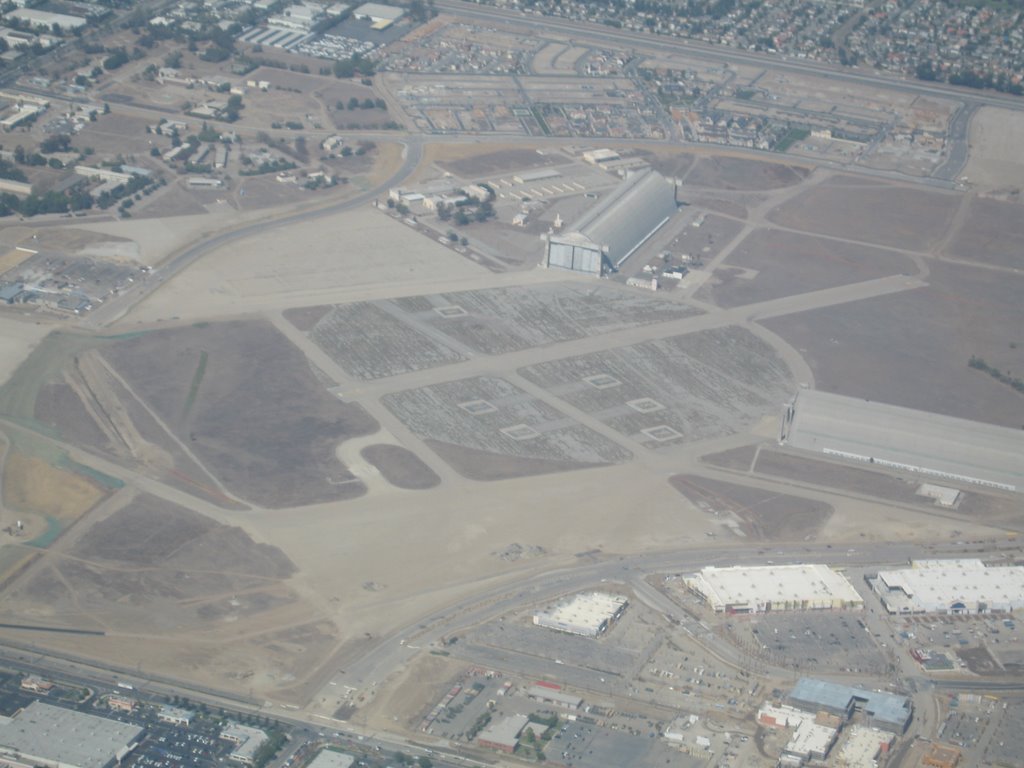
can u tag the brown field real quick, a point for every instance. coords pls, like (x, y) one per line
(32, 485)
(259, 419)
(762, 514)
(727, 172)
(991, 233)
(401, 467)
(787, 264)
(734, 458)
(912, 348)
(491, 163)
(842, 477)
(886, 214)
(475, 464)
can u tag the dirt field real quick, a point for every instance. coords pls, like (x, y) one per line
(991, 233)
(735, 458)
(725, 172)
(324, 262)
(32, 485)
(760, 514)
(994, 161)
(508, 160)
(253, 411)
(401, 467)
(17, 340)
(912, 348)
(887, 214)
(476, 464)
(840, 476)
(774, 263)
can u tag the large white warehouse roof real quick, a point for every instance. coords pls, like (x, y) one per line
(586, 614)
(951, 586)
(774, 587)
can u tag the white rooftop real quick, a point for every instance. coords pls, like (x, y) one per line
(931, 586)
(330, 759)
(505, 732)
(861, 745)
(584, 613)
(51, 734)
(767, 587)
(379, 12)
(809, 738)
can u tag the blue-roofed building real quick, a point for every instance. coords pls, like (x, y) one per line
(880, 709)
(9, 292)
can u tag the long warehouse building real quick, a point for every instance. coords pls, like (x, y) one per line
(44, 735)
(613, 229)
(889, 436)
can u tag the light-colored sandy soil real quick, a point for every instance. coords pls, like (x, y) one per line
(316, 262)
(995, 161)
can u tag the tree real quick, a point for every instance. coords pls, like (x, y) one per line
(367, 103)
(353, 103)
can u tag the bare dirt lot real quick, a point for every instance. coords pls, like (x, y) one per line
(994, 162)
(772, 263)
(400, 466)
(492, 163)
(886, 214)
(839, 476)
(991, 233)
(913, 348)
(761, 514)
(248, 404)
(725, 172)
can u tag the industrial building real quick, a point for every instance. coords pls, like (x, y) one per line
(740, 589)
(950, 586)
(175, 715)
(330, 759)
(588, 615)
(503, 735)
(549, 693)
(862, 747)
(879, 709)
(612, 230)
(38, 19)
(247, 741)
(907, 440)
(55, 737)
(381, 16)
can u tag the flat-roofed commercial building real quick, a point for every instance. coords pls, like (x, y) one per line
(862, 747)
(951, 586)
(548, 693)
(739, 589)
(330, 759)
(55, 737)
(503, 735)
(893, 437)
(880, 709)
(587, 614)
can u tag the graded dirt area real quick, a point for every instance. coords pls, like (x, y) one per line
(991, 233)
(322, 260)
(400, 466)
(887, 214)
(505, 161)
(33, 485)
(772, 263)
(913, 348)
(727, 172)
(994, 161)
(760, 514)
(247, 403)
